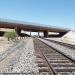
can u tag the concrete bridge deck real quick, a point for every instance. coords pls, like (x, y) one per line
(18, 26)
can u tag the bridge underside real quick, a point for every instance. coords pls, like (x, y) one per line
(18, 27)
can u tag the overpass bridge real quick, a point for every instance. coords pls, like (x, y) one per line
(32, 27)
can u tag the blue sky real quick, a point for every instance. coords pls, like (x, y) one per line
(59, 13)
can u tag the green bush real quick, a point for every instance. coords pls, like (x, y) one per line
(10, 35)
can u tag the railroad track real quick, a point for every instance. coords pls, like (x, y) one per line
(61, 43)
(52, 62)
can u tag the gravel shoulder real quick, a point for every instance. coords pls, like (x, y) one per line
(21, 60)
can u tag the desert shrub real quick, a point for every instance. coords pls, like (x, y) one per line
(10, 35)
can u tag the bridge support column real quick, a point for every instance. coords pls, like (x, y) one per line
(38, 34)
(30, 33)
(18, 31)
(45, 33)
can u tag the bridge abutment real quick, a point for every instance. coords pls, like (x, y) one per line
(45, 33)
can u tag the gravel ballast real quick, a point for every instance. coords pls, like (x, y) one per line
(65, 50)
(26, 62)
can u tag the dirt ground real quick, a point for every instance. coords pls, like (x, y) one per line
(4, 44)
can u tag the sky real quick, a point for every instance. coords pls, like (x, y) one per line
(55, 13)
